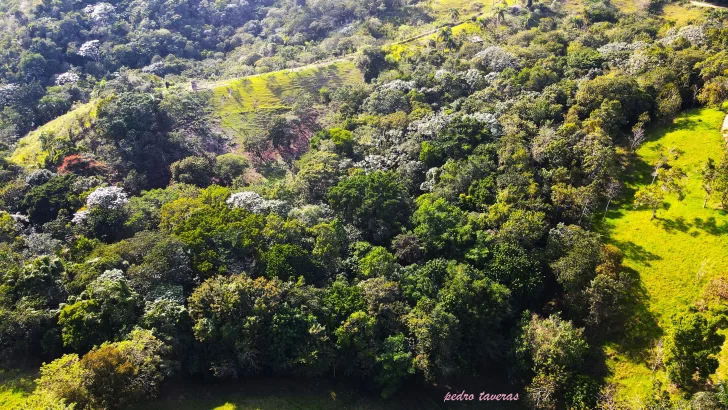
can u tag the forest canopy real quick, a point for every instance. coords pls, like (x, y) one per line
(438, 222)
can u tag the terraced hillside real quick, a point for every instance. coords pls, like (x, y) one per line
(675, 254)
(245, 105)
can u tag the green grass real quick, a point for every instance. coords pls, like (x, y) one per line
(15, 387)
(675, 254)
(245, 105)
(682, 14)
(29, 152)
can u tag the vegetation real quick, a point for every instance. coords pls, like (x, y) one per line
(397, 195)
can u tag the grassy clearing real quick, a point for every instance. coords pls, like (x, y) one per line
(29, 152)
(244, 105)
(15, 387)
(682, 14)
(675, 254)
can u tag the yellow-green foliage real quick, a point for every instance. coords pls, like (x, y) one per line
(675, 254)
(244, 105)
(29, 152)
(15, 387)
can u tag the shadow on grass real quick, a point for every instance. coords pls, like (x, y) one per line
(711, 226)
(677, 224)
(638, 328)
(636, 252)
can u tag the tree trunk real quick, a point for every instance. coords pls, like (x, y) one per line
(609, 201)
(705, 202)
(654, 213)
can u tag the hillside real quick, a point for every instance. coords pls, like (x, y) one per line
(246, 105)
(29, 151)
(675, 254)
(363, 204)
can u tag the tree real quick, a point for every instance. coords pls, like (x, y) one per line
(638, 135)
(651, 197)
(441, 227)
(378, 263)
(576, 255)
(554, 350)
(193, 170)
(613, 189)
(454, 14)
(721, 181)
(289, 262)
(377, 203)
(108, 313)
(709, 174)
(394, 363)
(108, 377)
(691, 347)
(232, 316)
(43, 202)
(445, 37)
(228, 167)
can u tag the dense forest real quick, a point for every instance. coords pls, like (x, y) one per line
(436, 223)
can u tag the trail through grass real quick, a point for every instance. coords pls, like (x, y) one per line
(674, 254)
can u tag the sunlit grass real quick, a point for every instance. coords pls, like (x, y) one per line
(15, 387)
(679, 251)
(29, 152)
(681, 14)
(245, 104)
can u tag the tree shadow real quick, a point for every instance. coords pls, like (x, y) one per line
(711, 226)
(677, 224)
(639, 327)
(636, 252)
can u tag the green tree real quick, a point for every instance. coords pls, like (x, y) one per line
(232, 317)
(691, 347)
(394, 363)
(288, 262)
(108, 312)
(377, 203)
(379, 262)
(709, 174)
(651, 197)
(554, 350)
(193, 170)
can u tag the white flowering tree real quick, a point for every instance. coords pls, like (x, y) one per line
(256, 204)
(111, 197)
(91, 49)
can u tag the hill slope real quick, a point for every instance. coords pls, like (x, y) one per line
(245, 105)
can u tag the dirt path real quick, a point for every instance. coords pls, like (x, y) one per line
(704, 4)
(207, 85)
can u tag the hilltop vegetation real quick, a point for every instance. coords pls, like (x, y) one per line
(196, 191)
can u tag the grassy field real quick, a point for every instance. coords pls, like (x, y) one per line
(29, 153)
(15, 386)
(674, 254)
(245, 105)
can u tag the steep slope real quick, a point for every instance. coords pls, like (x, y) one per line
(29, 151)
(245, 105)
